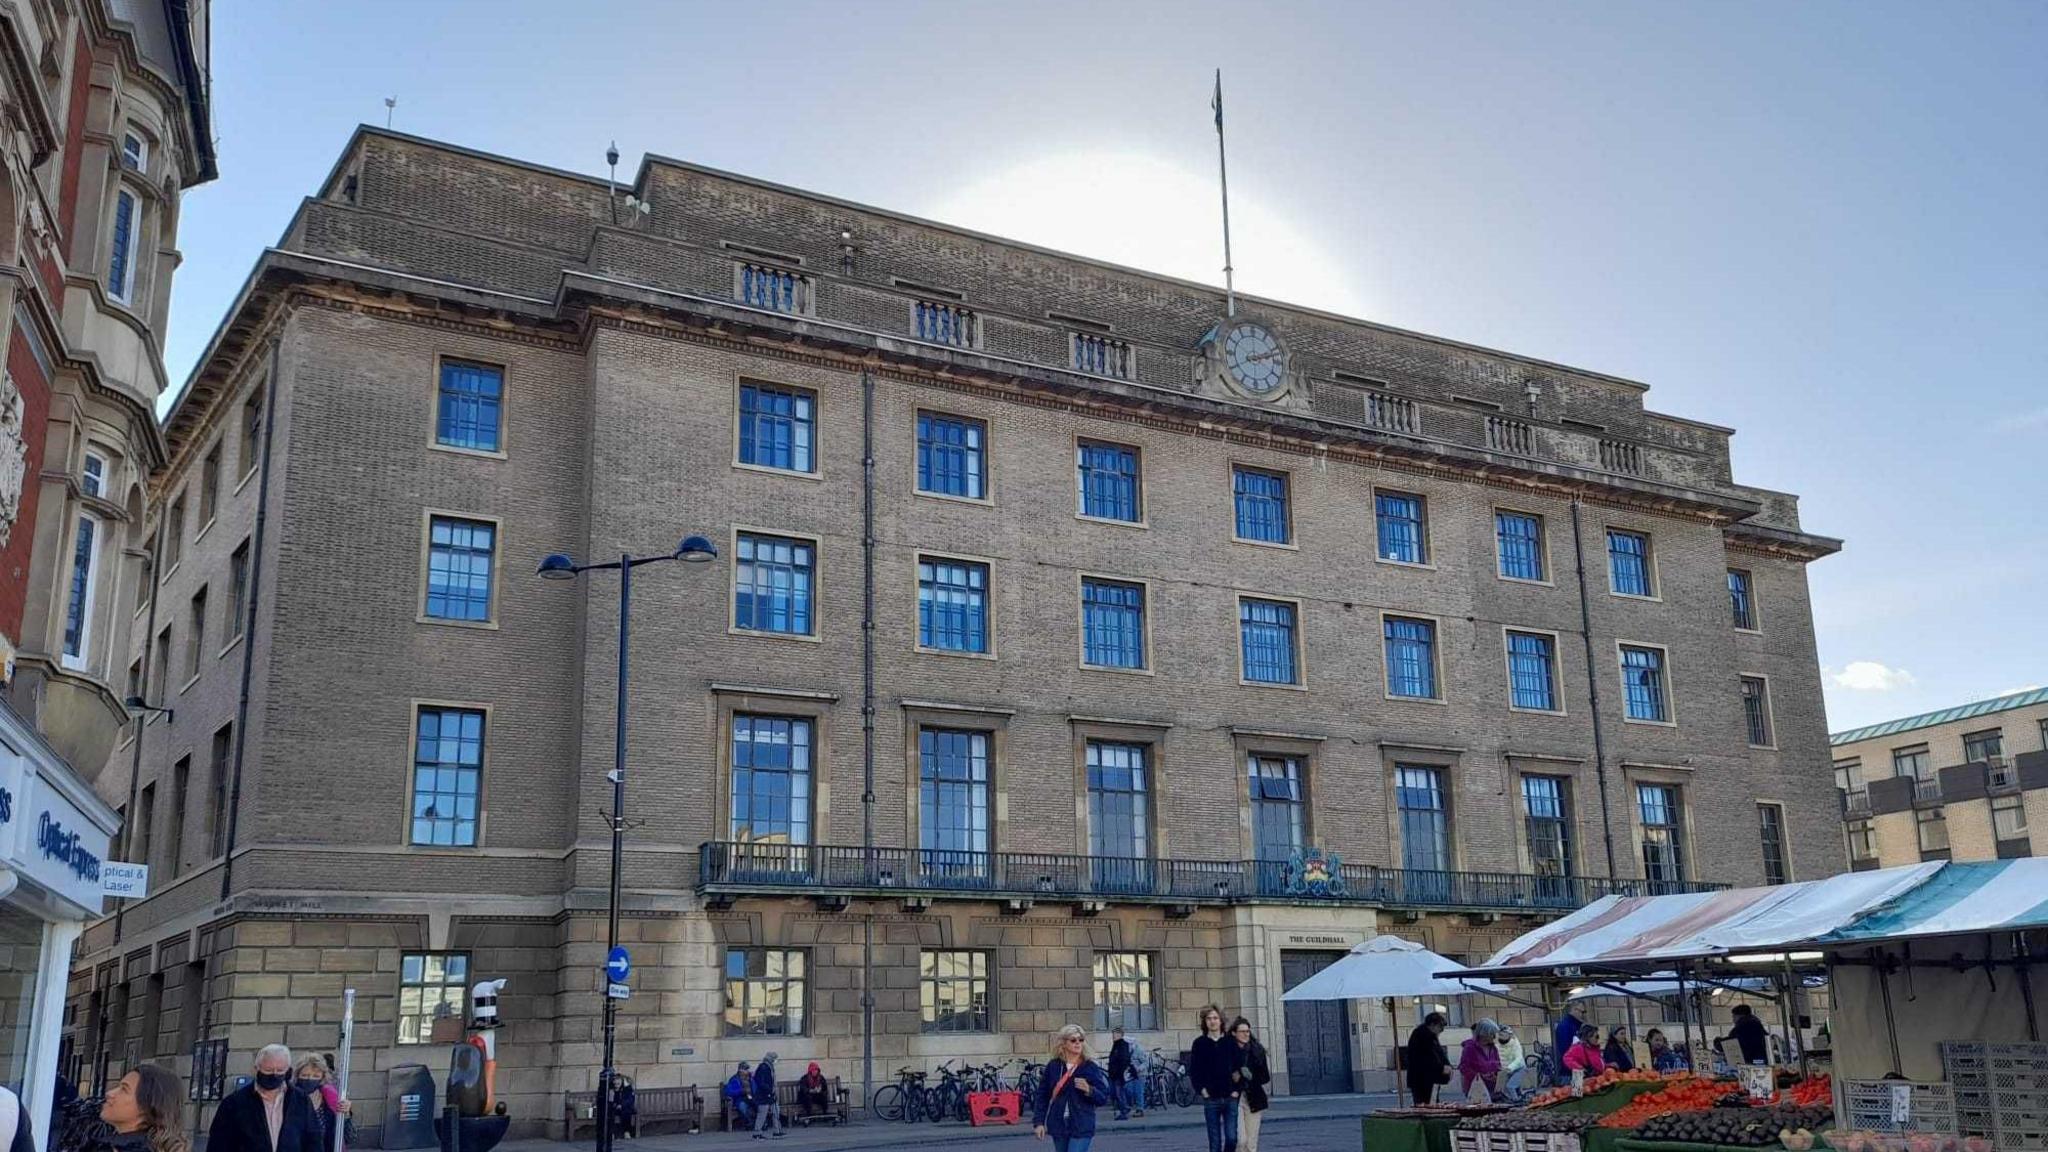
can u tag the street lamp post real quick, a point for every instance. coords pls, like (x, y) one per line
(693, 549)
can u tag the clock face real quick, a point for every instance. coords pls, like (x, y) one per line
(1255, 359)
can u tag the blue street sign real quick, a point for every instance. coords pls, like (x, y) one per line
(618, 965)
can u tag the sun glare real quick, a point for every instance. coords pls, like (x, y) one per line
(1150, 214)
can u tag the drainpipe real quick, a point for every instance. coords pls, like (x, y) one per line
(156, 557)
(1593, 689)
(867, 730)
(270, 405)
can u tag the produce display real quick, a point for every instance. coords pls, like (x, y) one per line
(1594, 1084)
(1864, 1141)
(1439, 1111)
(1526, 1120)
(1689, 1095)
(1739, 1127)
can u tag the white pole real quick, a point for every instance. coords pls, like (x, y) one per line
(341, 1058)
(1223, 176)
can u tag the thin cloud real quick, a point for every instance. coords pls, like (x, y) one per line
(2022, 421)
(1870, 676)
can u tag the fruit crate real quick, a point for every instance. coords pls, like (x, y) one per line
(1868, 1103)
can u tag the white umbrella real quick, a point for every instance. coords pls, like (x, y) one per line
(1388, 966)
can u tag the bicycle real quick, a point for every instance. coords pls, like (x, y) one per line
(1167, 1082)
(948, 1099)
(903, 1100)
(1027, 1081)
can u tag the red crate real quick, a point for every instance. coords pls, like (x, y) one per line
(993, 1108)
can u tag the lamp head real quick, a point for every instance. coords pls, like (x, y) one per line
(134, 704)
(696, 550)
(557, 566)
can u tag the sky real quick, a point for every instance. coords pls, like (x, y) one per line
(1824, 224)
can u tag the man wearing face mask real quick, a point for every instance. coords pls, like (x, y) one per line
(266, 1115)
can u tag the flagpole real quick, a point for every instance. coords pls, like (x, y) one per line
(1223, 172)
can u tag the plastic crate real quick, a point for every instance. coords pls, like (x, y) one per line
(1550, 1142)
(1930, 1108)
(1463, 1140)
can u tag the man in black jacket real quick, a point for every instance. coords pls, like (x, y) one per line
(266, 1116)
(1119, 1071)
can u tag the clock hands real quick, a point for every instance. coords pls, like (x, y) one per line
(1262, 355)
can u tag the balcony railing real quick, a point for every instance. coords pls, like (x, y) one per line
(1856, 805)
(2001, 773)
(1927, 788)
(1392, 413)
(1101, 356)
(947, 324)
(776, 289)
(734, 867)
(1621, 456)
(1506, 435)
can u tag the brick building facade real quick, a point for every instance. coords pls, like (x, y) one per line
(1963, 783)
(1202, 647)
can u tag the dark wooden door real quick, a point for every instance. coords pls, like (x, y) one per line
(1318, 1032)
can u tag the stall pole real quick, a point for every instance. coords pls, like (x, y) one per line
(1685, 1017)
(2021, 960)
(1785, 1010)
(1400, 1052)
(1628, 1009)
(1891, 1025)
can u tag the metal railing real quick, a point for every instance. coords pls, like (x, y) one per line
(739, 866)
(1926, 788)
(1856, 803)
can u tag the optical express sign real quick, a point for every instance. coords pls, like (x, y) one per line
(46, 838)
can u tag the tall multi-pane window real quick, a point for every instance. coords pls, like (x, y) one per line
(1628, 563)
(1657, 806)
(217, 780)
(238, 590)
(1915, 762)
(1279, 806)
(1742, 599)
(952, 456)
(1756, 710)
(122, 250)
(952, 991)
(771, 779)
(1267, 641)
(2008, 817)
(1520, 539)
(471, 407)
(459, 557)
(1933, 829)
(1119, 800)
(431, 986)
(1979, 747)
(134, 152)
(765, 991)
(78, 595)
(1403, 533)
(195, 633)
(92, 475)
(174, 534)
(174, 833)
(1547, 812)
(952, 605)
(1771, 827)
(141, 838)
(1112, 624)
(1262, 505)
(1642, 684)
(447, 776)
(772, 584)
(209, 486)
(777, 427)
(1425, 823)
(1124, 996)
(1532, 671)
(1111, 488)
(1849, 783)
(1862, 837)
(953, 800)
(251, 446)
(1411, 657)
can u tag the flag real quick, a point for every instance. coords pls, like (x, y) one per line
(1216, 102)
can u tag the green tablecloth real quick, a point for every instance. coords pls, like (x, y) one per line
(1603, 1139)
(1397, 1134)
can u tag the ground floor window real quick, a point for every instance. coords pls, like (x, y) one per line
(1123, 992)
(764, 991)
(430, 985)
(21, 954)
(952, 990)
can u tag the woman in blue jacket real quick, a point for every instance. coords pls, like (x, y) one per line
(1069, 1090)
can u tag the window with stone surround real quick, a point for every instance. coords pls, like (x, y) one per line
(1124, 995)
(1630, 568)
(448, 758)
(1402, 526)
(953, 991)
(764, 991)
(1771, 825)
(431, 985)
(778, 427)
(471, 407)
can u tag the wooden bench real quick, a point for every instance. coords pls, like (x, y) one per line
(838, 1108)
(684, 1106)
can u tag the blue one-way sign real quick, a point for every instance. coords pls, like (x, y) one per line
(618, 965)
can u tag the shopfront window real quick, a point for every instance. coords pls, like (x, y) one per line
(21, 944)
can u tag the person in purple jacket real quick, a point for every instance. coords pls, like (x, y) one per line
(1070, 1089)
(1479, 1060)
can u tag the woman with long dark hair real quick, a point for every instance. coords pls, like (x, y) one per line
(143, 1109)
(1253, 1074)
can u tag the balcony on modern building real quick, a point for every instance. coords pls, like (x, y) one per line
(1957, 783)
(728, 870)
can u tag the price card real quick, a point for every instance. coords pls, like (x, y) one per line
(1756, 1080)
(1902, 1103)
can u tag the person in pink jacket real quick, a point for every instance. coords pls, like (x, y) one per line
(1584, 1054)
(329, 1108)
(1479, 1059)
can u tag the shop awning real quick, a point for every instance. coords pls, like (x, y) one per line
(1987, 896)
(1639, 935)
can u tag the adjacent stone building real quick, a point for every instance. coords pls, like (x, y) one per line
(1963, 783)
(1076, 650)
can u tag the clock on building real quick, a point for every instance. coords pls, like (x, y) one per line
(1254, 358)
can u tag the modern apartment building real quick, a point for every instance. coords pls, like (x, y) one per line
(1964, 783)
(107, 125)
(1077, 649)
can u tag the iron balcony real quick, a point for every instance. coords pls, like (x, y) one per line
(728, 869)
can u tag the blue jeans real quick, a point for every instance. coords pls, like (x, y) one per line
(1071, 1143)
(1127, 1095)
(1220, 1117)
